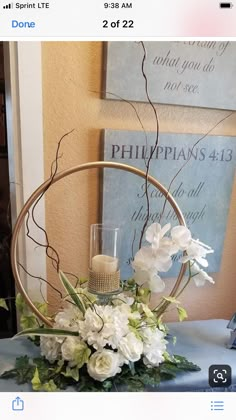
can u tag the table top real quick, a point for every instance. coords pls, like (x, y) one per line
(201, 342)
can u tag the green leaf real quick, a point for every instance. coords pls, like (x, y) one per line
(71, 373)
(3, 304)
(47, 331)
(28, 321)
(22, 362)
(21, 305)
(82, 280)
(42, 307)
(39, 386)
(23, 371)
(81, 354)
(184, 364)
(36, 383)
(135, 323)
(72, 292)
(107, 385)
(50, 386)
(182, 313)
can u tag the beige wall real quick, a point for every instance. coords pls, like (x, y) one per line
(71, 71)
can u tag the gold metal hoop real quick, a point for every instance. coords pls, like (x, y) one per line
(43, 187)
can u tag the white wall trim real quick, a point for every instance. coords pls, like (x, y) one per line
(24, 112)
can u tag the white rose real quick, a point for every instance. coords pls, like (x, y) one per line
(130, 347)
(50, 348)
(104, 364)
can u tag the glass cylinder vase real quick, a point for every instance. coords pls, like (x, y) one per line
(104, 273)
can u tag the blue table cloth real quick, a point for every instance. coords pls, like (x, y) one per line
(202, 342)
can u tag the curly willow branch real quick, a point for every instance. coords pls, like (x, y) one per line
(189, 158)
(148, 163)
(49, 249)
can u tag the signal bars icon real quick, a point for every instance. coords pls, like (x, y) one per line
(8, 6)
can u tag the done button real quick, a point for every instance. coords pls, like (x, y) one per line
(26, 25)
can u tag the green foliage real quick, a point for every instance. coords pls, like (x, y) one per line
(143, 295)
(27, 318)
(45, 376)
(81, 356)
(71, 292)
(71, 373)
(28, 321)
(21, 305)
(182, 313)
(3, 304)
(47, 331)
(38, 386)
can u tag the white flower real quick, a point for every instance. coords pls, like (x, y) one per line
(155, 233)
(130, 347)
(68, 318)
(181, 236)
(156, 284)
(50, 348)
(200, 276)
(151, 278)
(74, 350)
(197, 251)
(154, 346)
(155, 236)
(147, 258)
(126, 309)
(104, 364)
(104, 325)
(123, 298)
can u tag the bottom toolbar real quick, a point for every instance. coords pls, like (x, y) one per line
(180, 406)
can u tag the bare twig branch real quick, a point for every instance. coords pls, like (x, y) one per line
(155, 145)
(189, 158)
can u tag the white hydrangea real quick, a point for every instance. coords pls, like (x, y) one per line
(71, 348)
(104, 325)
(68, 318)
(154, 346)
(50, 347)
(130, 347)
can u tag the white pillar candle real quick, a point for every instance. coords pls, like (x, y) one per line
(104, 264)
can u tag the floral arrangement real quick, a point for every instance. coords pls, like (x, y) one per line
(100, 346)
(155, 258)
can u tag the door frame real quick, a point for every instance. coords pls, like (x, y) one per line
(24, 116)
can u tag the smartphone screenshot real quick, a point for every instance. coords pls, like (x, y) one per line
(117, 209)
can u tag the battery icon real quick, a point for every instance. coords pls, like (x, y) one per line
(225, 5)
